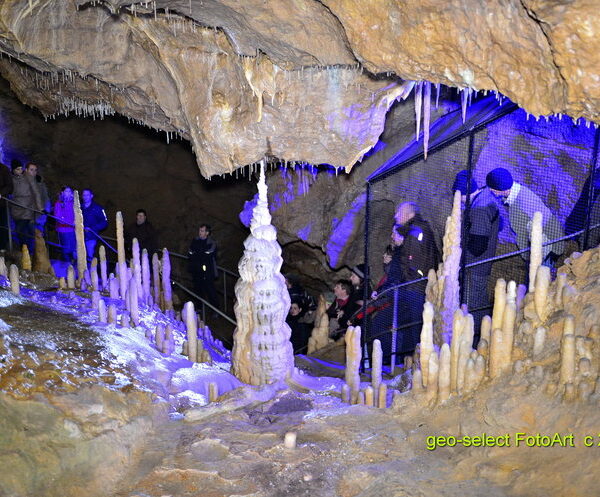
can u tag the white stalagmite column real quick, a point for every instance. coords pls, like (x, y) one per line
(535, 257)
(137, 267)
(496, 351)
(94, 275)
(3, 268)
(499, 304)
(567, 351)
(448, 272)
(353, 356)
(79, 237)
(133, 302)
(25, 258)
(262, 352)
(102, 311)
(15, 286)
(121, 262)
(146, 283)
(540, 296)
(191, 324)
(166, 280)
(457, 330)
(426, 340)
(376, 366)
(156, 278)
(508, 333)
(486, 328)
(70, 277)
(103, 267)
(444, 373)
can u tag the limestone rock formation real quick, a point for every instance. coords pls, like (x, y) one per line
(243, 79)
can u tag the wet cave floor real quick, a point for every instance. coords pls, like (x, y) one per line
(75, 420)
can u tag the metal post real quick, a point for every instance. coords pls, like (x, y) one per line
(366, 296)
(588, 211)
(8, 226)
(394, 331)
(465, 227)
(224, 291)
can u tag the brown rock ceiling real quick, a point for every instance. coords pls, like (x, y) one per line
(281, 77)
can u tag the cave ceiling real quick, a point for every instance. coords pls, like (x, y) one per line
(299, 80)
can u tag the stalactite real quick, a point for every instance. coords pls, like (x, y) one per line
(426, 116)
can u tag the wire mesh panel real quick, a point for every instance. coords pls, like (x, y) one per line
(507, 170)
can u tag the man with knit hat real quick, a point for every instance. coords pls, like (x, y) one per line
(481, 227)
(522, 205)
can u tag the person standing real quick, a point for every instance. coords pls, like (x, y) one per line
(481, 227)
(94, 221)
(522, 204)
(27, 199)
(203, 264)
(143, 231)
(6, 188)
(65, 224)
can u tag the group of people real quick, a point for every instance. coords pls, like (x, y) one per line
(414, 252)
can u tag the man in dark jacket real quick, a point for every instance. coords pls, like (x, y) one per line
(94, 221)
(411, 260)
(203, 264)
(480, 229)
(27, 203)
(143, 231)
(341, 309)
(6, 188)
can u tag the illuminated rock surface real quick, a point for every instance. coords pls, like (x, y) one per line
(302, 98)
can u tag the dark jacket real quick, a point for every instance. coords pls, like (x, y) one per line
(203, 258)
(94, 218)
(6, 182)
(348, 308)
(415, 257)
(26, 192)
(145, 234)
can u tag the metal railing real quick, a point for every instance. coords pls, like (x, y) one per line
(104, 241)
(394, 293)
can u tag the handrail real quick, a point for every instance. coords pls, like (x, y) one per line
(52, 216)
(204, 302)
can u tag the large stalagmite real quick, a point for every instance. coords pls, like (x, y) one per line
(262, 352)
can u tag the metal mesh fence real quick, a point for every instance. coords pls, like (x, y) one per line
(528, 165)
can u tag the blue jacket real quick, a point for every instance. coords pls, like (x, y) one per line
(94, 218)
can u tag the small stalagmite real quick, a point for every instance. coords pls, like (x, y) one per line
(15, 286)
(369, 396)
(103, 267)
(41, 259)
(70, 277)
(146, 283)
(463, 357)
(499, 304)
(539, 338)
(345, 393)
(166, 280)
(113, 287)
(376, 366)
(137, 267)
(79, 237)
(319, 337)
(133, 302)
(353, 356)
(535, 258)
(213, 392)
(3, 268)
(102, 311)
(486, 328)
(94, 275)
(540, 296)
(121, 261)
(156, 280)
(382, 396)
(457, 331)
(508, 331)
(62, 283)
(567, 352)
(431, 391)
(444, 373)
(191, 324)
(496, 353)
(112, 314)
(25, 258)
(426, 345)
(159, 336)
(95, 299)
